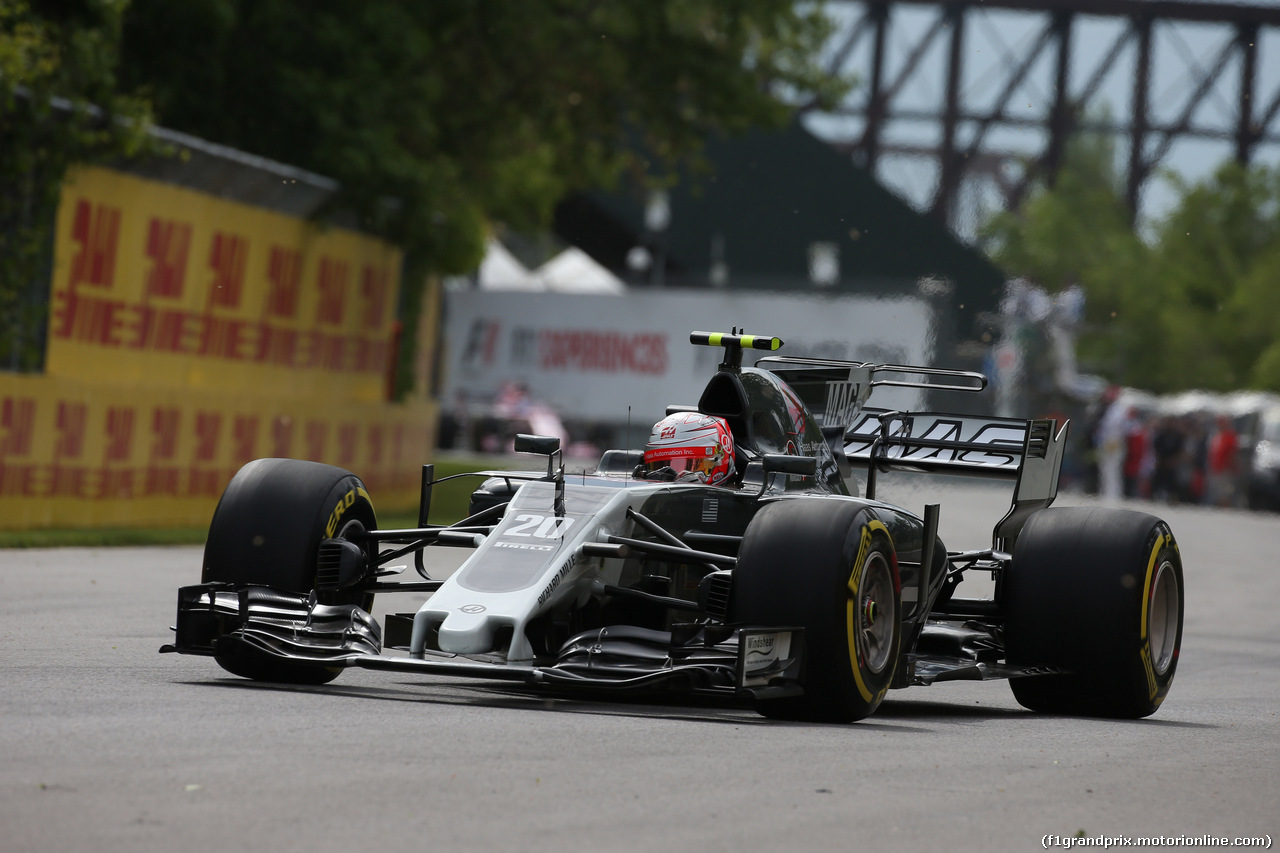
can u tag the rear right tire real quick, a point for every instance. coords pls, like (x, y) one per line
(1097, 592)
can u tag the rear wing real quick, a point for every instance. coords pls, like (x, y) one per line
(834, 391)
(1029, 452)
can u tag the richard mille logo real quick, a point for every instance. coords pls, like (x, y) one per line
(472, 608)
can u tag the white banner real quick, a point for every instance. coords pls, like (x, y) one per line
(592, 357)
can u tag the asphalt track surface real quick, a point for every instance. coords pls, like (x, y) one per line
(106, 745)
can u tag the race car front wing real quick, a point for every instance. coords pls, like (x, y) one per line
(761, 662)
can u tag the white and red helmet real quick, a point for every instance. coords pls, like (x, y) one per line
(696, 447)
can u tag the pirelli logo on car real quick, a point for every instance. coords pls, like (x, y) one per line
(523, 546)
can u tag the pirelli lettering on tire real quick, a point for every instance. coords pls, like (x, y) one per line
(1144, 638)
(344, 503)
(1152, 667)
(854, 614)
(1146, 585)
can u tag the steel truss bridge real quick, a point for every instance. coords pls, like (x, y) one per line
(981, 96)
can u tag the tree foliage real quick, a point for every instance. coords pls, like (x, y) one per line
(1192, 306)
(1217, 248)
(441, 118)
(438, 118)
(467, 112)
(59, 106)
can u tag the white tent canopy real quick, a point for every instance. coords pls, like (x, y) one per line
(571, 271)
(501, 271)
(574, 271)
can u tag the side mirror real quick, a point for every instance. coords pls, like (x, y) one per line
(543, 445)
(548, 446)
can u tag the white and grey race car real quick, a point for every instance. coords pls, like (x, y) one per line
(784, 588)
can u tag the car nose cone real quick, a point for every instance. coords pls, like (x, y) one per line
(467, 632)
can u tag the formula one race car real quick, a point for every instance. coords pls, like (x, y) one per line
(776, 586)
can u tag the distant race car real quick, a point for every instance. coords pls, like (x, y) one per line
(779, 586)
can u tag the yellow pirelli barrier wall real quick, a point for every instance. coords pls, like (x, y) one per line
(189, 334)
(89, 455)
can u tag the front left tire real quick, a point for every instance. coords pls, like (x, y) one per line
(267, 530)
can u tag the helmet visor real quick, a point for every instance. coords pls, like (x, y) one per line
(685, 462)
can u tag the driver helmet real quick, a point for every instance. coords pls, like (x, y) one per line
(696, 447)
